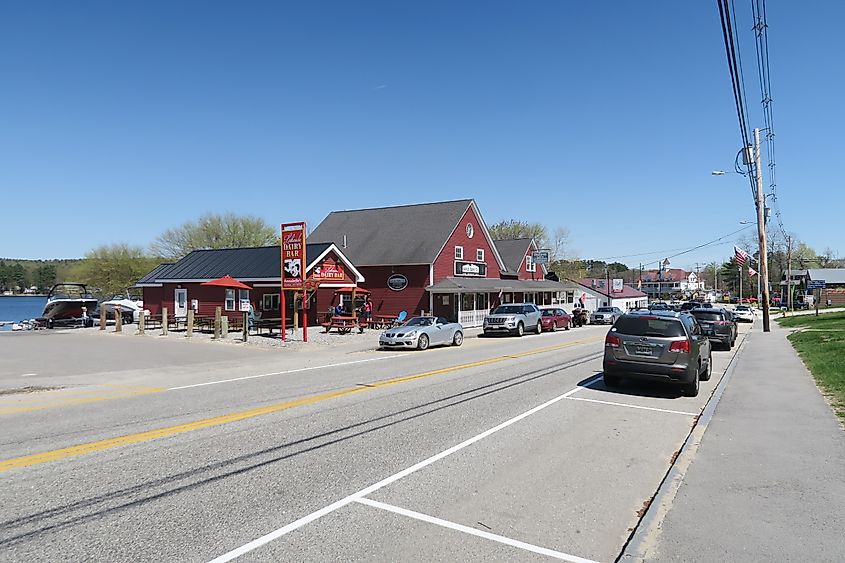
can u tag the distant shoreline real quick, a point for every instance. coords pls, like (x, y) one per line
(25, 295)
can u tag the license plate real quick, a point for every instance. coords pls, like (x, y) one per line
(643, 350)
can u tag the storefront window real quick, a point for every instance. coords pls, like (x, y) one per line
(570, 297)
(230, 300)
(467, 301)
(482, 302)
(270, 302)
(530, 297)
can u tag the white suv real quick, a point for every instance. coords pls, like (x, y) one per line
(513, 318)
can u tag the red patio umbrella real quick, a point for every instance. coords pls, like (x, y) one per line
(227, 281)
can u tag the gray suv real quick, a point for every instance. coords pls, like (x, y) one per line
(666, 347)
(513, 318)
(605, 315)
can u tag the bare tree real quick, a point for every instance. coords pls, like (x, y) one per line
(214, 231)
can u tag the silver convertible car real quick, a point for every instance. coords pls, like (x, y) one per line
(422, 332)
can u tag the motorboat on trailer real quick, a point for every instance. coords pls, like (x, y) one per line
(130, 309)
(68, 303)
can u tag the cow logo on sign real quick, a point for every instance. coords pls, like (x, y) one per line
(293, 267)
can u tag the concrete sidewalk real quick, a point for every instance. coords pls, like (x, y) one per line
(768, 480)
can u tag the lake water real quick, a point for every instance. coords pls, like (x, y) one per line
(20, 308)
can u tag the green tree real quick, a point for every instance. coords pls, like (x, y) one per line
(513, 229)
(214, 231)
(5, 276)
(45, 276)
(17, 276)
(113, 268)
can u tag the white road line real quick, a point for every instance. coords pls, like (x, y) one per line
(631, 406)
(284, 372)
(28, 374)
(267, 538)
(467, 530)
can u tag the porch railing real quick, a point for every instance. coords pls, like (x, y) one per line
(472, 318)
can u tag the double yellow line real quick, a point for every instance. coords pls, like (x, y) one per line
(81, 449)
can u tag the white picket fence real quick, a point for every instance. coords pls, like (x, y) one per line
(472, 318)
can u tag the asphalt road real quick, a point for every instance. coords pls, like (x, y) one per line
(503, 449)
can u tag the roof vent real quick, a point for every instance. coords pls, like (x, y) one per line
(344, 241)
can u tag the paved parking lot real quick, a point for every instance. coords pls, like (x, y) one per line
(503, 449)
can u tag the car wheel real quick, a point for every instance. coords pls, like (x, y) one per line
(422, 342)
(539, 327)
(611, 380)
(554, 326)
(691, 388)
(709, 371)
(520, 329)
(567, 326)
(458, 339)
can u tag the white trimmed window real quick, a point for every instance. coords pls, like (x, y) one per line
(270, 302)
(529, 263)
(459, 253)
(230, 300)
(479, 255)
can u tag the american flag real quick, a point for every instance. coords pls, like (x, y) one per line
(751, 272)
(741, 255)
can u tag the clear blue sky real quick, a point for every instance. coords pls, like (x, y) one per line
(606, 118)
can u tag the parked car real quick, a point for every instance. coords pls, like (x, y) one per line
(658, 306)
(553, 318)
(606, 315)
(718, 325)
(744, 313)
(690, 305)
(422, 332)
(668, 347)
(513, 318)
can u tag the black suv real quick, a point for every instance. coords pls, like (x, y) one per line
(719, 325)
(666, 347)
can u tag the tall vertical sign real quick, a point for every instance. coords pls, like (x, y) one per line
(293, 269)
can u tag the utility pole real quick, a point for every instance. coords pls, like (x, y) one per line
(761, 233)
(789, 272)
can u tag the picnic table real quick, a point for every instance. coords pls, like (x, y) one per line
(383, 321)
(344, 324)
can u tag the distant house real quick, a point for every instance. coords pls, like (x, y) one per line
(178, 286)
(600, 292)
(834, 279)
(668, 282)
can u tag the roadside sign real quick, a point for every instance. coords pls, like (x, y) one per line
(816, 284)
(618, 285)
(541, 257)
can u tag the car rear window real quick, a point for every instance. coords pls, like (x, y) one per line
(549, 312)
(649, 326)
(707, 315)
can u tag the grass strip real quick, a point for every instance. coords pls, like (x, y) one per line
(822, 347)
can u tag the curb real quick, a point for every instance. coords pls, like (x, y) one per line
(642, 540)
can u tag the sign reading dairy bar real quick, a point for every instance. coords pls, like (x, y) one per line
(470, 269)
(293, 255)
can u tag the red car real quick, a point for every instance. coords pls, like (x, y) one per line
(554, 318)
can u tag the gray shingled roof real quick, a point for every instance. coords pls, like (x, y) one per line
(829, 275)
(512, 252)
(454, 285)
(407, 234)
(240, 263)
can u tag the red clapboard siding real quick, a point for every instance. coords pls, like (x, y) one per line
(444, 264)
(386, 301)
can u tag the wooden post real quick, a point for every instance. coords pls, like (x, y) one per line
(102, 318)
(164, 326)
(141, 322)
(118, 319)
(190, 327)
(246, 326)
(217, 311)
(224, 326)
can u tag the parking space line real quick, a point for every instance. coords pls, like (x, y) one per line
(308, 518)
(632, 406)
(472, 531)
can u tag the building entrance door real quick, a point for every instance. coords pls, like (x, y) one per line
(180, 302)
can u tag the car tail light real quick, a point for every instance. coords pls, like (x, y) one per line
(612, 340)
(680, 346)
